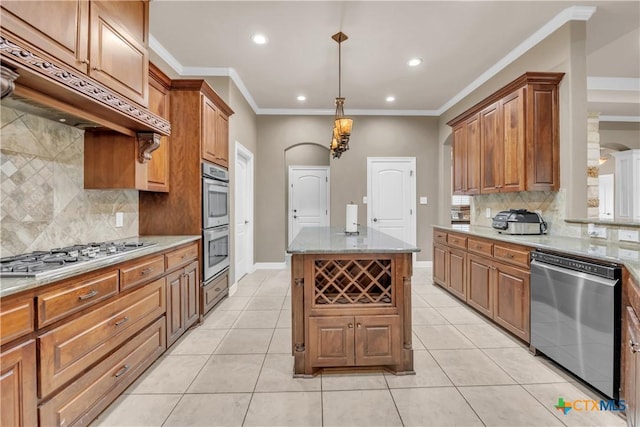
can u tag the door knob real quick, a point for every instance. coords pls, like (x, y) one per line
(295, 210)
(295, 216)
(375, 219)
(246, 222)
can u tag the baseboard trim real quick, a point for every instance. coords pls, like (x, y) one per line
(233, 289)
(270, 266)
(423, 264)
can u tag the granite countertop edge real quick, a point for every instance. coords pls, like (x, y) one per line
(563, 244)
(13, 285)
(629, 223)
(332, 240)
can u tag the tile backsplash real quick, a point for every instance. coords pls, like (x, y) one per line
(551, 205)
(42, 196)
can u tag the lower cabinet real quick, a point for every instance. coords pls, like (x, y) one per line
(213, 292)
(90, 394)
(18, 386)
(354, 340)
(492, 278)
(183, 297)
(631, 365)
(511, 300)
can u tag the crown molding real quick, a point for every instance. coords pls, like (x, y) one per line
(574, 13)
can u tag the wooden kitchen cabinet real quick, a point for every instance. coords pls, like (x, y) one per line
(180, 211)
(183, 297)
(517, 143)
(116, 161)
(17, 319)
(18, 386)
(213, 292)
(490, 276)
(511, 299)
(630, 348)
(107, 40)
(215, 133)
(354, 340)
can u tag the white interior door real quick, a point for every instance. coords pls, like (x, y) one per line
(308, 198)
(605, 188)
(243, 211)
(391, 193)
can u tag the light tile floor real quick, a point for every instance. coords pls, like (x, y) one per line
(235, 369)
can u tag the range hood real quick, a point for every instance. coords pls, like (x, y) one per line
(36, 85)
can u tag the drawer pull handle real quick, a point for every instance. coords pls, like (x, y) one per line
(509, 255)
(122, 321)
(184, 256)
(91, 294)
(146, 271)
(121, 371)
(216, 289)
(350, 325)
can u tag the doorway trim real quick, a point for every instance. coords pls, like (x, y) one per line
(247, 155)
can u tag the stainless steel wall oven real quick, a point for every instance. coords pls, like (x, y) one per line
(215, 220)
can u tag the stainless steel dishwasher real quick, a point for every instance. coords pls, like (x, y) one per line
(575, 317)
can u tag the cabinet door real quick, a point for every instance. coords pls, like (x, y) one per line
(158, 166)
(331, 341)
(512, 114)
(39, 24)
(474, 155)
(191, 289)
(18, 386)
(440, 263)
(631, 373)
(479, 289)
(491, 149)
(175, 319)
(376, 340)
(222, 140)
(543, 152)
(511, 300)
(456, 273)
(459, 159)
(118, 50)
(209, 122)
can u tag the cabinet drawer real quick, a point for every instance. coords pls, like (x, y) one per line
(181, 256)
(56, 304)
(16, 319)
(457, 241)
(214, 291)
(519, 256)
(68, 350)
(440, 236)
(141, 271)
(481, 247)
(86, 397)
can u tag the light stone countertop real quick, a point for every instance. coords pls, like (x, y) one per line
(13, 285)
(616, 222)
(618, 252)
(333, 240)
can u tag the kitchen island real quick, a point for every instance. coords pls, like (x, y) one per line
(350, 301)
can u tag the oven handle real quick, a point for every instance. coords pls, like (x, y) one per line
(217, 231)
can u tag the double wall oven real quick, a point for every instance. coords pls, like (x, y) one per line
(215, 220)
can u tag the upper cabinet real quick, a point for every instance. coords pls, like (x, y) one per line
(115, 161)
(215, 132)
(509, 141)
(106, 40)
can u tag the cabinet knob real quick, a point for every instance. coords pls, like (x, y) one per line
(358, 325)
(85, 61)
(350, 325)
(96, 68)
(634, 347)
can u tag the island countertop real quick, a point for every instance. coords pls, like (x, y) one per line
(333, 240)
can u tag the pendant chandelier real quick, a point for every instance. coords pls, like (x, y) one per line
(341, 125)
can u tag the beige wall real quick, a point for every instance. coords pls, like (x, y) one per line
(373, 137)
(562, 51)
(627, 134)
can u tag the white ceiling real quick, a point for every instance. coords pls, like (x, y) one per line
(461, 44)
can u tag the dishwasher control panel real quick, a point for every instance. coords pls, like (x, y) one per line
(589, 267)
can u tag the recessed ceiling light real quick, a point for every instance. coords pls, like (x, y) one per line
(391, 98)
(301, 98)
(414, 62)
(259, 39)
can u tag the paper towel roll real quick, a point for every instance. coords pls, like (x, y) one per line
(352, 219)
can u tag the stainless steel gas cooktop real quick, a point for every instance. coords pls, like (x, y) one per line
(42, 263)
